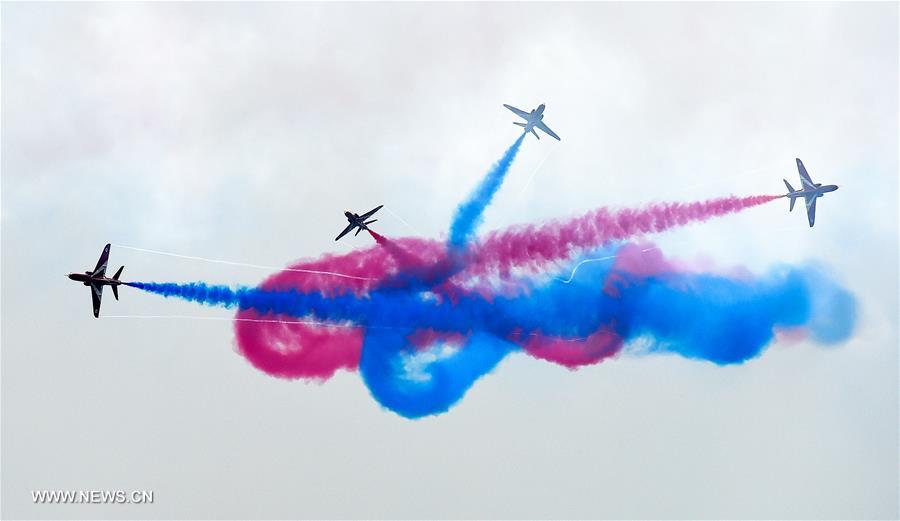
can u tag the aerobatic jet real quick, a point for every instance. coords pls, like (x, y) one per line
(97, 279)
(358, 221)
(533, 119)
(810, 192)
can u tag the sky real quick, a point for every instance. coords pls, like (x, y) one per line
(241, 131)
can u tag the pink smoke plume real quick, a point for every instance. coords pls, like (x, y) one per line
(573, 353)
(533, 246)
(303, 350)
(300, 350)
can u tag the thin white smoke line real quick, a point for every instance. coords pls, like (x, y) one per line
(230, 319)
(598, 259)
(402, 220)
(534, 174)
(262, 320)
(244, 264)
(273, 321)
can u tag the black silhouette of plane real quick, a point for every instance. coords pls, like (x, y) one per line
(358, 221)
(97, 279)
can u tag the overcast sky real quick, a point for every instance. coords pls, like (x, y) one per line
(242, 131)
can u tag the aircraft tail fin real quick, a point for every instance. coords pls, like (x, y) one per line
(535, 134)
(115, 291)
(370, 222)
(790, 192)
(118, 273)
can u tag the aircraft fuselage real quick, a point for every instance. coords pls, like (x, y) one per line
(818, 191)
(355, 219)
(810, 192)
(534, 120)
(535, 116)
(87, 279)
(97, 278)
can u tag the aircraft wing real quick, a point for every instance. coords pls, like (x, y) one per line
(545, 128)
(811, 210)
(368, 214)
(100, 270)
(96, 295)
(346, 231)
(804, 175)
(518, 112)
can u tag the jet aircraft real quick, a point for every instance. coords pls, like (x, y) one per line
(532, 119)
(358, 221)
(97, 279)
(810, 192)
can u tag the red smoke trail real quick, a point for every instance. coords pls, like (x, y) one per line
(404, 258)
(317, 352)
(296, 350)
(305, 350)
(573, 353)
(380, 239)
(431, 268)
(534, 246)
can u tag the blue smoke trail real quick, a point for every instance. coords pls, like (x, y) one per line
(433, 385)
(422, 350)
(698, 316)
(469, 213)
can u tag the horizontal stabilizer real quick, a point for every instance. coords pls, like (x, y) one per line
(115, 289)
(357, 231)
(518, 123)
(535, 134)
(788, 185)
(370, 222)
(118, 274)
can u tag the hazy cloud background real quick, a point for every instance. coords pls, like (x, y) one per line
(241, 131)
